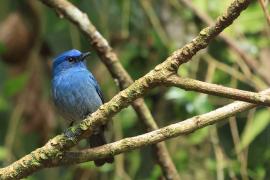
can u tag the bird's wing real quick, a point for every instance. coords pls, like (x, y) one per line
(97, 88)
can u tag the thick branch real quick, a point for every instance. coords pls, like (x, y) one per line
(185, 54)
(218, 90)
(250, 61)
(54, 149)
(180, 128)
(110, 59)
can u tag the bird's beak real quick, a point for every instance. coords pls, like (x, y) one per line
(84, 55)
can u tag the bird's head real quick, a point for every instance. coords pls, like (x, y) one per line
(69, 59)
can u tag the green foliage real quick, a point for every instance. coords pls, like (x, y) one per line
(260, 121)
(127, 118)
(213, 8)
(251, 21)
(15, 85)
(181, 159)
(199, 136)
(156, 172)
(259, 173)
(126, 26)
(194, 103)
(134, 161)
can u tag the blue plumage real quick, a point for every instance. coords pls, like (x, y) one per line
(76, 92)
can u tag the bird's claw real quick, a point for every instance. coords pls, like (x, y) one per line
(69, 134)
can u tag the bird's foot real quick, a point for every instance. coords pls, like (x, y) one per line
(69, 133)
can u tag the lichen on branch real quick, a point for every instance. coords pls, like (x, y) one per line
(53, 151)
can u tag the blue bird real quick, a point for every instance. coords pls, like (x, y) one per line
(77, 94)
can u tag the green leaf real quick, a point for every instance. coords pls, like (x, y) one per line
(251, 131)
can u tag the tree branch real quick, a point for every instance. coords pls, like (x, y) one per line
(181, 128)
(217, 90)
(111, 60)
(250, 61)
(56, 147)
(265, 11)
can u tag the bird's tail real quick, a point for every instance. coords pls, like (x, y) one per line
(96, 140)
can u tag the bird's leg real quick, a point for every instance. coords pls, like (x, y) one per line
(68, 132)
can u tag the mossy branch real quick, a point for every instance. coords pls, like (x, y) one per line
(55, 149)
(119, 74)
(181, 128)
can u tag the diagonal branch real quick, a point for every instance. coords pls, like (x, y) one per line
(184, 54)
(55, 148)
(181, 128)
(265, 11)
(217, 90)
(110, 59)
(250, 61)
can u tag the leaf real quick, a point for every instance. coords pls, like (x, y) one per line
(251, 131)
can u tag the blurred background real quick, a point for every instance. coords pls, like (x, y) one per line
(143, 33)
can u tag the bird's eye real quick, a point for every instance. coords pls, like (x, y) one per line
(71, 59)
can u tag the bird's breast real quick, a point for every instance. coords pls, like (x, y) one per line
(75, 95)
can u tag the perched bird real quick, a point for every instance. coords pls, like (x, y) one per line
(77, 94)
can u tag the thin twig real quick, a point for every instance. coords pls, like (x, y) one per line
(214, 130)
(265, 11)
(120, 172)
(148, 9)
(181, 128)
(251, 80)
(218, 90)
(250, 61)
(236, 140)
(12, 130)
